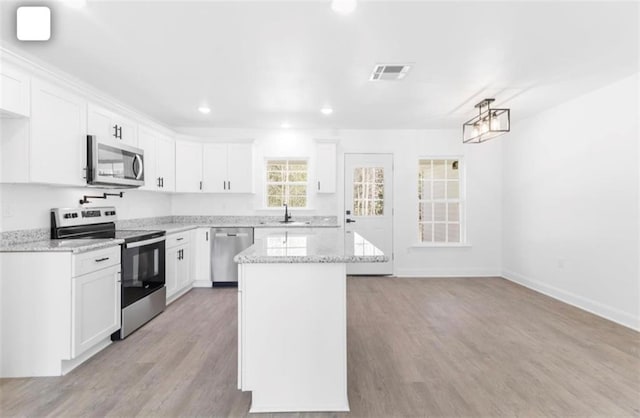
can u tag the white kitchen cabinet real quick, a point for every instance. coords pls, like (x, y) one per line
(158, 160)
(188, 166)
(166, 163)
(111, 126)
(95, 309)
(14, 92)
(228, 168)
(326, 167)
(58, 126)
(178, 265)
(201, 260)
(214, 168)
(57, 309)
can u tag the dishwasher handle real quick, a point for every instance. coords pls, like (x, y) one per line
(227, 234)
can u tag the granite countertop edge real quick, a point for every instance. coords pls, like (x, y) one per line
(52, 246)
(310, 259)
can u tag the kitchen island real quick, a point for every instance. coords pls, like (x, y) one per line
(292, 319)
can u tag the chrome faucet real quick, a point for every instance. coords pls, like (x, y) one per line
(287, 215)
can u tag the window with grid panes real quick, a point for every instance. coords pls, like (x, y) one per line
(440, 201)
(286, 183)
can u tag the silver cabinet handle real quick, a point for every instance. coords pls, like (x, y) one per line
(179, 239)
(318, 185)
(100, 260)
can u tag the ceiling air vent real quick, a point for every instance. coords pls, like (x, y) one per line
(383, 72)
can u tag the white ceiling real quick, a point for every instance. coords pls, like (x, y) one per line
(257, 64)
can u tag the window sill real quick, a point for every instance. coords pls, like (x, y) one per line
(441, 245)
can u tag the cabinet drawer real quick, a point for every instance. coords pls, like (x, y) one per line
(95, 260)
(179, 238)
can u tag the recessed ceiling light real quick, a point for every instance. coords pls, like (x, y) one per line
(285, 125)
(204, 109)
(344, 7)
(326, 111)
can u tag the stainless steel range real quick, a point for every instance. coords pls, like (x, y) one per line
(142, 258)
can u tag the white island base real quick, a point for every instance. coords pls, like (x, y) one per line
(292, 336)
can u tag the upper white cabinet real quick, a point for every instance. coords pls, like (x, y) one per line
(50, 146)
(108, 125)
(214, 167)
(159, 160)
(326, 167)
(228, 168)
(188, 166)
(14, 92)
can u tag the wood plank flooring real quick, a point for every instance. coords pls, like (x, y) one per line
(416, 347)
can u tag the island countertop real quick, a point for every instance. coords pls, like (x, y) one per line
(327, 246)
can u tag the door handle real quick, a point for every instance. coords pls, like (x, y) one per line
(229, 185)
(201, 185)
(207, 235)
(318, 185)
(119, 132)
(350, 221)
(158, 182)
(115, 131)
(224, 184)
(162, 182)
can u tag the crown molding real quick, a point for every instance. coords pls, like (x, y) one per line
(38, 68)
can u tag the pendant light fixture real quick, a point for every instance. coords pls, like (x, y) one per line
(487, 125)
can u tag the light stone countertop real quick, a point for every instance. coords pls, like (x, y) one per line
(173, 228)
(60, 245)
(324, 246)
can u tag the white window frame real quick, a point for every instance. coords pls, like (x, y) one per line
(267, 183)
(462, 201)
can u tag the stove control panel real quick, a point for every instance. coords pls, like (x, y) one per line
(82, 216)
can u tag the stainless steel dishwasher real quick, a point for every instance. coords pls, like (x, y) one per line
(227, 243)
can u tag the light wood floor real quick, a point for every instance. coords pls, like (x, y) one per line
(417, 347)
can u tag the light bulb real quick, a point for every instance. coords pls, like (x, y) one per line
(495, 123)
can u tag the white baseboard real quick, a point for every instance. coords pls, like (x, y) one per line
(586, 304)
(445, 273)
(202, 283)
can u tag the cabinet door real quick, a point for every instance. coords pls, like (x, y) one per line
(165, 163)
(14, 91)
(95, 310)
(127, 130)
(188, 166)
(100, 123)
(240, 168)
(214, 168)
(184, 267)
(326, 168)
(201, 261)
(58, 135)
(147, 142)
(171, 274)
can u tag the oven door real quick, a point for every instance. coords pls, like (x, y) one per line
(114, 164)
(143, 269)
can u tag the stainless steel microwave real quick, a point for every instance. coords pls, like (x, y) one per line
(114, 165)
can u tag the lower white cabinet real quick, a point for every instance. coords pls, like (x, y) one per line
(95, 311)
(57, 309)
(178, 265)
(201, 260)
